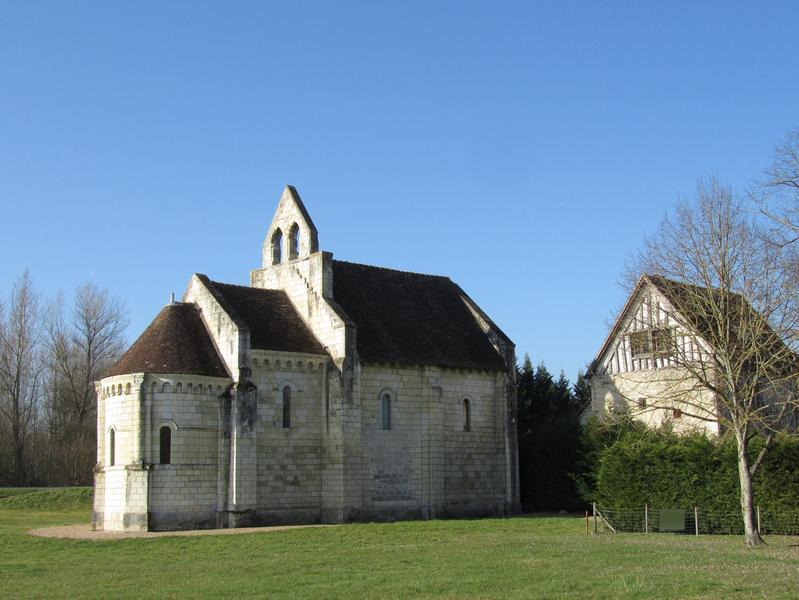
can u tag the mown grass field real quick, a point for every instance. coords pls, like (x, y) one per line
(492, 558)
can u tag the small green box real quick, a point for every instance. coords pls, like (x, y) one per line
(672, 519)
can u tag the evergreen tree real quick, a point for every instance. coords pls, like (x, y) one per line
(549, 430)
(581, 392)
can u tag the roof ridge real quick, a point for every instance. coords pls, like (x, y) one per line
(412, 318)
(654, 277)
(246, 287)
(430, 275)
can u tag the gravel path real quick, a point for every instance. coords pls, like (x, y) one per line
(84, 532)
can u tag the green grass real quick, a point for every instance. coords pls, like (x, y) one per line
(48, 499)
(10, 491)
(492, 558)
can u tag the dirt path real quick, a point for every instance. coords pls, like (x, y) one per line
(84, 532)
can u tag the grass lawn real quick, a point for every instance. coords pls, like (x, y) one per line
(490, 558)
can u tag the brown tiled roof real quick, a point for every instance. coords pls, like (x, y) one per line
(175, 342)
(271, 318)
(730, 321)
(702, 307)
(410, 318)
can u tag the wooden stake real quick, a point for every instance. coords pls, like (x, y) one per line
(696, 520)
(594, 506)
(587, 531)
(646, 518)
(759, 531)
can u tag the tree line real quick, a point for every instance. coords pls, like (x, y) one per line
(50, 358)
(548, 428)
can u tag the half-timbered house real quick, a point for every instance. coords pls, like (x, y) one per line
(641, 366)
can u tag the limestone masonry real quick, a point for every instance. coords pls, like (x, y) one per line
(325, 392)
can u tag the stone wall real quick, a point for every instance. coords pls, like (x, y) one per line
(138, 493)
(291, 459)
(119, 409)
(426, 465)
(121, 503)
(184, 493)
(308, 283)
(231, 339)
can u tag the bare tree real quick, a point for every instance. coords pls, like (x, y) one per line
(721, 337)
(80, 348)
(778, 194)
(20, 370)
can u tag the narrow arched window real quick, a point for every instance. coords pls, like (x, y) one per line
(286, 407)
(294, 242)
(277, 244)
(127, 388)
(119, 390)
(165, 439)
(385, 409)
(179, 388)
(467, 415)
(111, 448)
(166, 388)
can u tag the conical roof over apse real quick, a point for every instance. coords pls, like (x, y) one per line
(175, 342)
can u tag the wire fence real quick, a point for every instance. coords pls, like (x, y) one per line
(692, 521)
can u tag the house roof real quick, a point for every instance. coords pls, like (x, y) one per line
(411, 318)
(700, 309)
(175, 342)
(742, 328)
(269, 315)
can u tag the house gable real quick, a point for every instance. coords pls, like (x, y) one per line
(639, 339)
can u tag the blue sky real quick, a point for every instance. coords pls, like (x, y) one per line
(523, 149)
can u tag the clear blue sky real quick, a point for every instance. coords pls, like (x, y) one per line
(522, 149)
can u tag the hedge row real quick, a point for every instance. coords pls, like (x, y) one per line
(628, 466)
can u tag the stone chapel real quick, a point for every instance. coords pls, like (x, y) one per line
(325, 392)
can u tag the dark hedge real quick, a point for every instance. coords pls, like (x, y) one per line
(626, 466)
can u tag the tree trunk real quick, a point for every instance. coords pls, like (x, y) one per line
(20, 476)
(747, 494)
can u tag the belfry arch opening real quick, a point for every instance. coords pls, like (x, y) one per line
(294, 241)
(277, 246)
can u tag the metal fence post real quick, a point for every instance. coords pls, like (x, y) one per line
(696, 520)
(646, 518)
